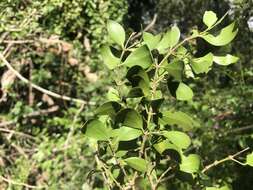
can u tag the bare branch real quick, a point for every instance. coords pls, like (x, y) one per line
(43, 90)
(230, 157)
(9, 181)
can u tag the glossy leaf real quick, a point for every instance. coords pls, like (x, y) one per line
(226, 35)
(249, 159)
(108, 108)
(225, 60)
(142, 84)
(175, 69)
(166, 145)
(116, 32)
(202, 64)
(169, 40)
(180, 139)
(137, 163)
(113, 95)
(135, 71)
(218, 188)
(135, 92)
(97, 130)
(151, 40)
(130, 118)
(190, 164)
(209, 18)
(184, 92)
(126, 133)
(181, 119)
(109, 59)
(141, 56)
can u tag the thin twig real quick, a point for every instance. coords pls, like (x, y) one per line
(33, 114)
(43, 90)
(148, 27)
(162, 176)
(237, 130)
(72, 127)
(230, 157)
(16, 132)
(9, 181)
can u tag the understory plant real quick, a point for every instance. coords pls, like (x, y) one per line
(140, 140)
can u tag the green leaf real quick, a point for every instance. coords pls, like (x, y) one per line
(209, 18)
(226, 35)
(135, 92)
(135, 71)
(126, 133)
(181, 119)
(190, 164)
(151, 40)
(130, 118)
(175, 69)
(169, 40)
(202, 64)
(138, 164)
(140, 83)
(139, 80)
(113, 95)
(141, 56)
(249, 159)
(97, 130)
(218, 188)
(180, 139)
(108, 108)
(109, 59)
(184, 92)
(166, 145)
(116, 32)
(225, 60)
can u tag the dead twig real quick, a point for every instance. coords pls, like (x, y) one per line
(43, 90)
(16, 132)
(33, 114)
(230, 157)
(148, 27)
(238, 130)
(9, 181)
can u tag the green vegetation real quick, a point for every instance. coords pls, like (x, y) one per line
(149, 94)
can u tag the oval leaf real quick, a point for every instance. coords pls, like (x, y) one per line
(180, 139)
(97, 130)
(108, 108)
(151, 40)
(136, 71)
(218, 188)
(190, 164)
(225, 60)
(209, 18)
(181, 119)
(249, 159)
(135, 92)
(184, 92)
(130, 118)
(202, 64)
(226, 35)
(165, 145)
(109, 59)
(141, 56)
(169, 40)
(175, 69)
(126, 133)
(138, 164)
(116, 32)
(113, 95)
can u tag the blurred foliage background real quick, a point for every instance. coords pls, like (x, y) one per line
(55, 44)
